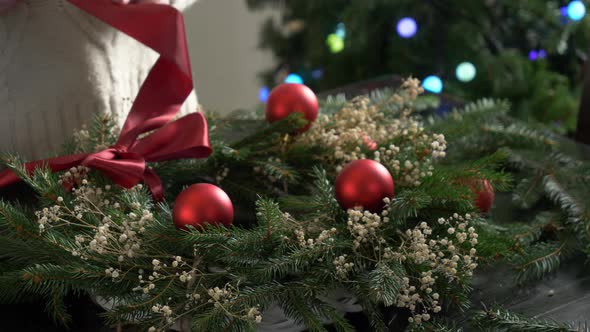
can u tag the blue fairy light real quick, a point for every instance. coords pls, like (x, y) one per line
(576, 10)
(407, 27)
(317, 74)
(432, 84)
(563, 11)
(263, 93)
(293, 78)
(341, 30)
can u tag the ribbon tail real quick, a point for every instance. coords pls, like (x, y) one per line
(170, 81)
(152, 180)
(8, 176)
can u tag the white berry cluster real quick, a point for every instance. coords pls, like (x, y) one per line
(362, 124)
(48, 216)
(325, 237)
(342, 266)
(74, 176)
(113, 273)
(122, 239)
(165, 311)
(82, 139)
(254, 314)
(148, 284)
(410, 164)
(449, 257)
(220, 296)
(97, 139)
(419, 304)
(87, 212)
(363, 225)
(222, 174)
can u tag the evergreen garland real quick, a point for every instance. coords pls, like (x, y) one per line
(292, 245)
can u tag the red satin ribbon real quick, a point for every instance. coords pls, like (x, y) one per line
(160, 97)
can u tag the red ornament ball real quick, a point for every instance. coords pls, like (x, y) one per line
(364, 183)
(288, 98)
(484, 195)
(202, 204)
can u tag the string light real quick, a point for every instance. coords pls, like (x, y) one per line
(432, 84)
(263, 93)
(341, 30)
(537, 54)
(335, 43)
(293, 78)
(542, 54)
(563, 11)
(317, 74)
(465, 72)
(576, 10)
(407, 27)
(533, 55)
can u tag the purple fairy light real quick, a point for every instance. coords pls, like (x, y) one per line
(542, 54)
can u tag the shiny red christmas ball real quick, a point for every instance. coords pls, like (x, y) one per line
(364, 183)
(484, 193)
(289, 98)
(202, 204)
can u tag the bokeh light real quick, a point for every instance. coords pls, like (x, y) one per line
(563, 11)
(317, 74)
(533, 55)
(335, 43)
(293, 78)
(542, 54)
(432, 84)
(465, 72)
(576, 10)
(407, 27)
(263, 93)
(341, 30)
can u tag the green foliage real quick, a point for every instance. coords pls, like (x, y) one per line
(385, 283)
(496, 36)
(292, 245)
(498, 319)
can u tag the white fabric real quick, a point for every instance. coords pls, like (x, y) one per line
(58, 68)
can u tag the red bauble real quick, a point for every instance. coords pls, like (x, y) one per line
(202, 204)
(484, 193)
(364, 183)
(289, 98)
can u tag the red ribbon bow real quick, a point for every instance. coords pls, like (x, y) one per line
(160, 97)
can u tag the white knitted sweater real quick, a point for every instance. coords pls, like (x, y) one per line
(58, 68)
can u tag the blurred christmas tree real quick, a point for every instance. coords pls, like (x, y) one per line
(530, 52)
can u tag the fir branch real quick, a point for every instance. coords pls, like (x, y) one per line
(324, 195)
(532, 232)
(529, 191)
(504, 320)
(435, 325)
(57, 308)
(385, 283)
(556, 191)
(539, 260)
(287, 125)
(306, 311)
(408, 203)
